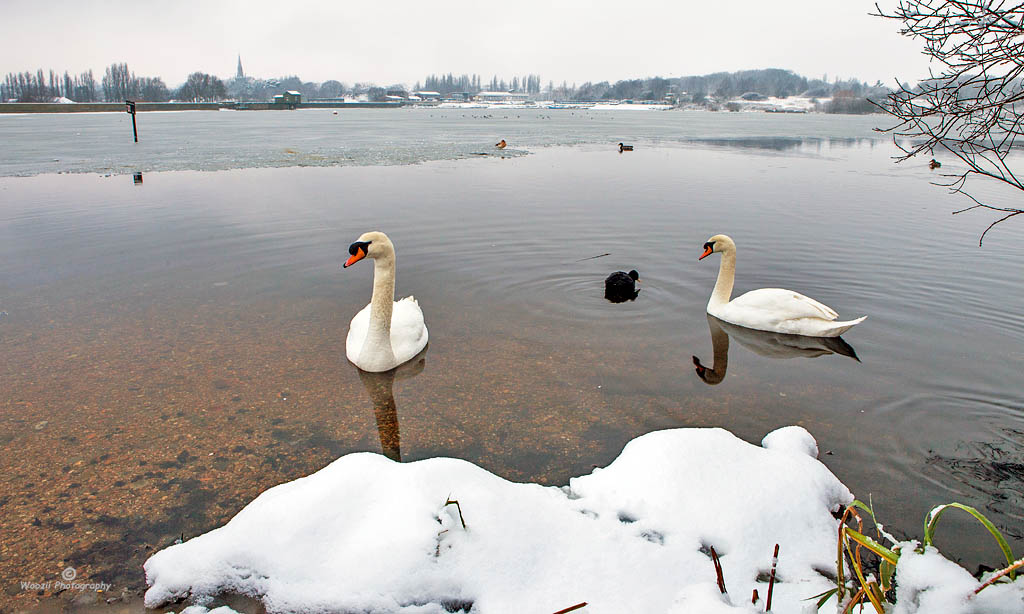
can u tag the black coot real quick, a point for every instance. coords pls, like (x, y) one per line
(621, 287)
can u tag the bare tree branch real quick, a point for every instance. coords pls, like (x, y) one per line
(971, 106)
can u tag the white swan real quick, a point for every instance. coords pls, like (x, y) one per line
(770, 309)
(385, 333)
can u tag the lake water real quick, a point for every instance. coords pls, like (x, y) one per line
(173, 348)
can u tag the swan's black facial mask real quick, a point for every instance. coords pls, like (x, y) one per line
(709, 247)
(357, 251)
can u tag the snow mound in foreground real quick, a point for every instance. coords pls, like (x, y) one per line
(198, 609)
(928, 582)
(369, 534)
(795, 439)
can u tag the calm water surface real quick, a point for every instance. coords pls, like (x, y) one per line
(176, 347)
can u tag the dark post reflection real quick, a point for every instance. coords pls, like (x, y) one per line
(763, 343)
(380, 388)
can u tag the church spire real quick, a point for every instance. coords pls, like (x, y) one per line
(239, 74)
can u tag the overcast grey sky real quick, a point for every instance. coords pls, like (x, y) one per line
(401, 41)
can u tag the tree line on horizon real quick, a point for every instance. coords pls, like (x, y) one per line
(712, 90)
(723, 86)
(119, 83)
(33, 87)
(472, 84)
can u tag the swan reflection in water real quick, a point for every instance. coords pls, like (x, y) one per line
(380, 388)
(772, 345)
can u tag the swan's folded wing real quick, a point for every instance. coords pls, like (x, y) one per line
(408, 330)
(784, 304)
(357, 333)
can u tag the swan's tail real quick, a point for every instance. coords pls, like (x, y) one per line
(838, 328)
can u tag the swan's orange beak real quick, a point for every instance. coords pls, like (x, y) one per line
(356, 257)
(707, 252)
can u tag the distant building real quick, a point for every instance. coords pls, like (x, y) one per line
(502, 97)
(291, 98)
(428, 95)
(240, 74)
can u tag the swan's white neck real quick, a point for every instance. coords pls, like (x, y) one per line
(726, 276)
(377, 346)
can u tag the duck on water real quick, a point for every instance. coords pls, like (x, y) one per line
(620, 287)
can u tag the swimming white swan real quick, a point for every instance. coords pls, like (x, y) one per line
(385, 333)
(771, 309)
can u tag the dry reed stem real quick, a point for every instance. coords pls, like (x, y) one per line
(572, 608)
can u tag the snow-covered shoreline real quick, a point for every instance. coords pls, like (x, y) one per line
(368, 534)
(548, 104)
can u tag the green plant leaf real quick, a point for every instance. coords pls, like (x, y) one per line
(857, 503)
(872, 545)
(932, 519)
(876, 597)
(887, 571)
(865, 586)
(823, 597)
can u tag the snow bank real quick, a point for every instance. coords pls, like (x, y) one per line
(198, 609)
(630, 107)
(928, 582)
(460, 105)
(368, 534)
(794, 439)
(792, 103)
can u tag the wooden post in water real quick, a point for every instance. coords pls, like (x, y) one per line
(130, 108)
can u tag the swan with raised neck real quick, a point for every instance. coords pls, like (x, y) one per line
(770, 309)
(385, 333)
